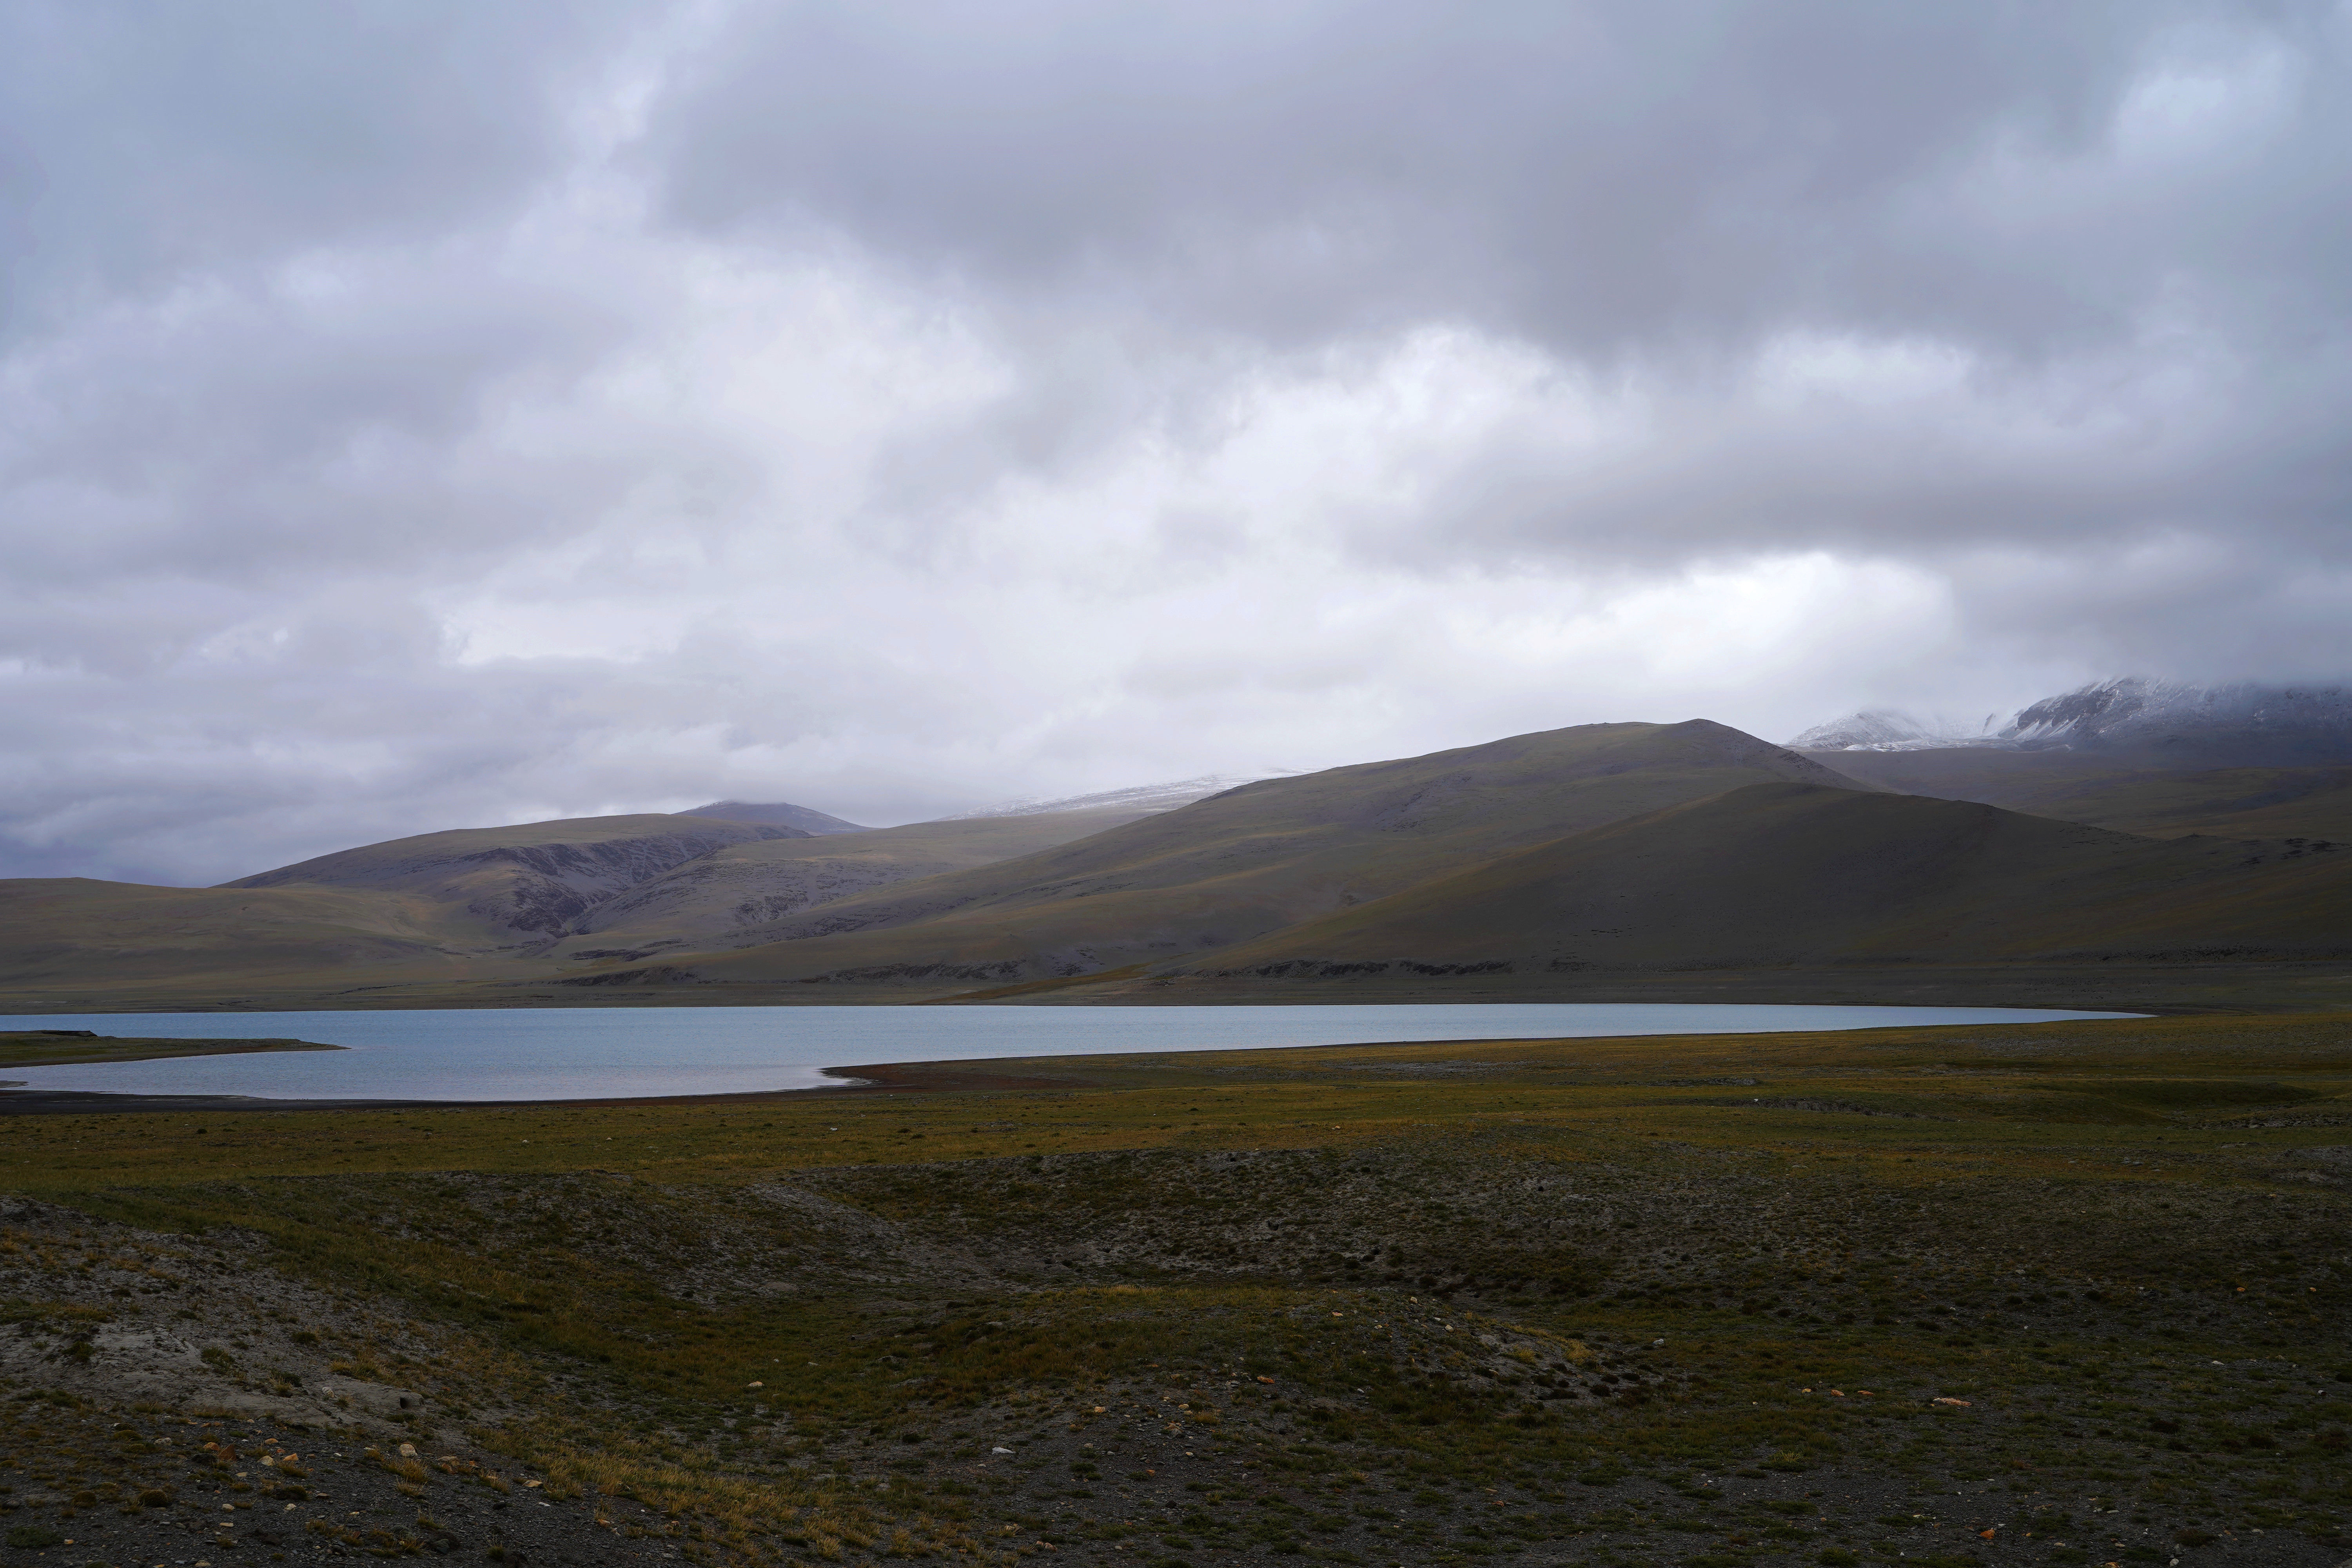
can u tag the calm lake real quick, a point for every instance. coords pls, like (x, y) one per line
(567, 1053)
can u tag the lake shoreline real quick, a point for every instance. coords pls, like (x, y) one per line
(699, 1056)
(82, 1047)
(893, 1078)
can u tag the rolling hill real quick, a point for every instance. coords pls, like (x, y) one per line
(2165, 759)
(68, 940)
(1538, 862)
(2223, 803)
(2121, 793)
(776, 814)
(534, 878)
(1247, 862)
(732, 897)
(1778, 875)
(445, 916)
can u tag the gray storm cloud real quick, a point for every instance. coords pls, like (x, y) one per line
(421, 415)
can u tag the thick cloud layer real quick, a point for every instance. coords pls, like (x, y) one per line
(418, 414)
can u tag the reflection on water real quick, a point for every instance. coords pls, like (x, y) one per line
(569, 1053)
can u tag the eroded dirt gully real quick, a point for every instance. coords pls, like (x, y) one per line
(171, 1400)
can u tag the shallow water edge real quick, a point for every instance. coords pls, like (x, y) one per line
(552, 1054)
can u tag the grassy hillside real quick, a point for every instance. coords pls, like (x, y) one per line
(440, 910)
(736, 895)
(535, 877)
(2226, 802)
(779, 813)
(1247, 863)
(1999, 1296)
(1775, 874)
(1533, 866)
(67, 937)
(429, 920)
(1992, 776)
(2132, 792)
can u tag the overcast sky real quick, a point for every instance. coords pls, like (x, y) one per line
(417, 415)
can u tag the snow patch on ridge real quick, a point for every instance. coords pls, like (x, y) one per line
(2130, 710)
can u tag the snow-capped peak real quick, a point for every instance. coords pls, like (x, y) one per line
(2239, 723)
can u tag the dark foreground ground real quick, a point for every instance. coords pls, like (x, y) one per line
(98, 1489)
(2063, 1294)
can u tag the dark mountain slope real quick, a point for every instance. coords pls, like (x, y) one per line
(1791, 874)
(2243, 724)
(731, 895)
(2222, 803)
(2108, 791)
(1253, 859)
(2146, 756)
(2156, 723)
(433, 912)
(533, 876)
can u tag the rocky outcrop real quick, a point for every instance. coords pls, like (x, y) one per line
(547, 887)
(756, 893)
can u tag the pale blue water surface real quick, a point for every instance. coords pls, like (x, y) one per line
(574, 1053)
(592, 1054)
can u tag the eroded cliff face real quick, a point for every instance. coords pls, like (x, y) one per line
(546, 888)
(725, 898)
(734, 897)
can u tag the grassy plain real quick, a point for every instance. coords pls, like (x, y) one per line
(2065, 1293)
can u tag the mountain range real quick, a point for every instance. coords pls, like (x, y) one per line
(2175, 721)
(2133, 833)
(2152, 757)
